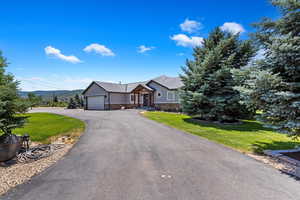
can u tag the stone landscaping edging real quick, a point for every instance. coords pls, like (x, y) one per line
(277, 154)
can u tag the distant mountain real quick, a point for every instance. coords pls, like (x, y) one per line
(48, 94)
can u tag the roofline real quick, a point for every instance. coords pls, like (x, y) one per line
(142, 86)
(145, 82)
(84, 91)
(158, 84)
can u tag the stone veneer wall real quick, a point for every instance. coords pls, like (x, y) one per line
(175, 107)
(119, 106)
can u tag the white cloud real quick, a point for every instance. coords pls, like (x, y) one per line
(232, 27)
(190, 26)
(180, 54)
(54, 82)
(143, 49)
(78, 80)
(99, 49)
(186, 41)
(49, 50)
(30, 78)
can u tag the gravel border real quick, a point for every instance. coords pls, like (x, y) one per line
(277, 163)
(19, 173)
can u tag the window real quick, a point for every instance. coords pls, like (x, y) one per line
(132, 97)
(170, 95)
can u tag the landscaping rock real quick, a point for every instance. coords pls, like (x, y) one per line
(17, 173)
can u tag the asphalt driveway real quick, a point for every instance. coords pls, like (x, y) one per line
(123, 156)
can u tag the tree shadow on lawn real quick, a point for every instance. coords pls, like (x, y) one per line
(245, 126)
(259, 147)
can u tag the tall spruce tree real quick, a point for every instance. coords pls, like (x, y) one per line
(281, 41)
(72, 104)
(10, 102)
(77, 100)
(208, 90)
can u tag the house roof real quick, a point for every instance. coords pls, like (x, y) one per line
(169, 82)
(166, 81)
(112, 87)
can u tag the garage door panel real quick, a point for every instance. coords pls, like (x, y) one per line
(95, 103)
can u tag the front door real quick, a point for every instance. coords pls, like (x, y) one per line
(146, 100)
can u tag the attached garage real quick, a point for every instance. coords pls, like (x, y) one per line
(95, 102)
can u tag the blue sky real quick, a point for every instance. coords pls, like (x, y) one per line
(66, 44)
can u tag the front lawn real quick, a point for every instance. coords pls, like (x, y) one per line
(42, 126)
(247, 137)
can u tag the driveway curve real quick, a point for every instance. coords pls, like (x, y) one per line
(123, 156)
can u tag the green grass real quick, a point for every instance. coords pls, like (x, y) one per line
(249, 137)
(42, 126)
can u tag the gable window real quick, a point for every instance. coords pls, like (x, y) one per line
(170, 95)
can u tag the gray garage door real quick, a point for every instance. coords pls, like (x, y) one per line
(95, 103)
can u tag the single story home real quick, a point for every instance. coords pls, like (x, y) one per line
(160, 93)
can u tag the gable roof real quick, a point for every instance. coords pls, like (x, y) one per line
(166, 81)
(112, 87)
(169, 82)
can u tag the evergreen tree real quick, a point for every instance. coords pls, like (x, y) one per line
(208, 91)
(55, 99)
(33, 99)
(81, 102)
(10, 102)
(281, 41)
(77, 100)
(72, 104)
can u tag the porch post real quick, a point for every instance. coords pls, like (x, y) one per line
(152, 99)
(138, 99)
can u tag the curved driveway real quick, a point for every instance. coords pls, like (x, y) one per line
(123, 156)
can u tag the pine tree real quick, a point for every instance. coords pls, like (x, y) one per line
(10, 102)
(72, 104)
(77, 100)
(208, 91)
(55, 99)
(33, 99)
(281, 41)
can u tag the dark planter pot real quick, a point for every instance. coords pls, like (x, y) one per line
(9, 151)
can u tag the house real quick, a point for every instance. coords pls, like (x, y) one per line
(160, 93)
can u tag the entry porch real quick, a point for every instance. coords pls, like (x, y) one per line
(143, 96)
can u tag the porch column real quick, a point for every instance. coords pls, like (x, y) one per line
(152, 98)
(138, 99)
(134, 98)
